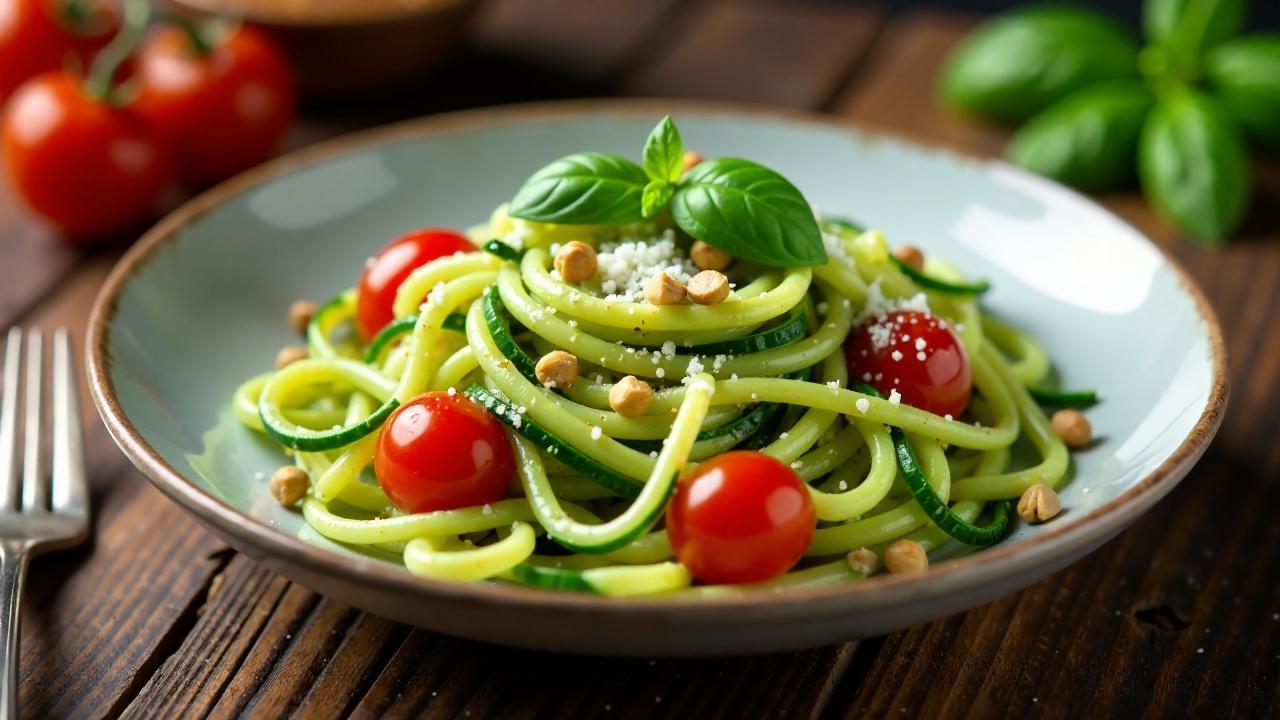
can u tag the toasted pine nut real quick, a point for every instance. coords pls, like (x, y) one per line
(1039, 503)
(576, 261)
(630, 396)
(910, 256)
(289, 355)
(662, 289)
(709, 257)
(709, 287)
(905, 557)
(300, 314)
(557, 369)
(289, 484)
(1072, 427)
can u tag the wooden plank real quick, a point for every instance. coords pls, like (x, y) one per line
(97, 617)
(791, 54)
(1160, 621)
(32, 258)
(897, 93)
(192, 679)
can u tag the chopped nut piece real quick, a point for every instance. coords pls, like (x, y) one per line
(289, 484)
(691, 158)
(663, 289)
(1073, 427)
(910, 256)
(576, 261)
(557, 368)
(300, 314)
(863, 561)
(630, 396)
(289, 355)
(709, 257)
(1039, 504)
(708, 287)
(905, 557)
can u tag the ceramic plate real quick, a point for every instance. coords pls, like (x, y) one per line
(198, 305)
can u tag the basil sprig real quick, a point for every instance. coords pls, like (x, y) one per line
(739, 206)
(1096, 106)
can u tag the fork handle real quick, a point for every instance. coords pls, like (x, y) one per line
(13, 571)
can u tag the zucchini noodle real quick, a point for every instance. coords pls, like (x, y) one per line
(764, 369)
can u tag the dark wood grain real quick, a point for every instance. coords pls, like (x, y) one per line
(589, 42)
(790, 54)
(158, 619)
(31, 258)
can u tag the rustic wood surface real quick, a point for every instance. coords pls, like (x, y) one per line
(1179, 616)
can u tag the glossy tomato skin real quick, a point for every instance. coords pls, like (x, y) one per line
(382, 276)
(740, 517)
(440, 452)
(88, 167)
(222, 112)
(915, 353)
(36, 37)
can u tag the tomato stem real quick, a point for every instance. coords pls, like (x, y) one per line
(198, 34)
(101, 80)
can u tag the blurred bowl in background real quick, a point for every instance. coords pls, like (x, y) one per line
(346, 48)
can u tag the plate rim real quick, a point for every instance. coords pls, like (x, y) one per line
(950, 575)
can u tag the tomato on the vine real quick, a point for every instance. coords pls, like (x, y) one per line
(740, 517)
(382, 276)
(442, 451)
(39, 36)
(916, 354)
(223, 106)
(89, 167)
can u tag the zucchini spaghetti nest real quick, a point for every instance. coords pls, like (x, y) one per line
(766, 369)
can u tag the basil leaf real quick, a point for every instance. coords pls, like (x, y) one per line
(1021, 62)
(656, 196)
(1245, 75)
(664, 152)
(1191, 26)
(1088, 139)
(748, 211)
(583, 189)
(1193, 164)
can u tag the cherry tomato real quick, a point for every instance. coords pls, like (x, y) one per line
(223, 109)
(918, 355)
(440, 452)
(376, 293)
(740, 517)
(42, 35)
(89, 167)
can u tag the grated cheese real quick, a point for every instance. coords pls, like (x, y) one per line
(626, 265)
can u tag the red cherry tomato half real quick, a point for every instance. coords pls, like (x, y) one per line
(440, 452)
(90, 168)
(39, 36)
(223, 110)
(740, 517)
(376, 293)
(918, 355)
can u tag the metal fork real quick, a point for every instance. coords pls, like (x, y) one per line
(46, 511)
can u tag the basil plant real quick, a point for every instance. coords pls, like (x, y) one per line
(1097, 111)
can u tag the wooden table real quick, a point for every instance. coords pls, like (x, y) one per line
(1178, 615)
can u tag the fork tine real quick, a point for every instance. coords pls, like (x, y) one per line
(34, 492)
(69, 486)
(9, 422)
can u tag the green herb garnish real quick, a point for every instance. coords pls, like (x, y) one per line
(739, 206)
(1096, 104)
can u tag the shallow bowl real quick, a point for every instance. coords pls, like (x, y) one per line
(197, 306)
